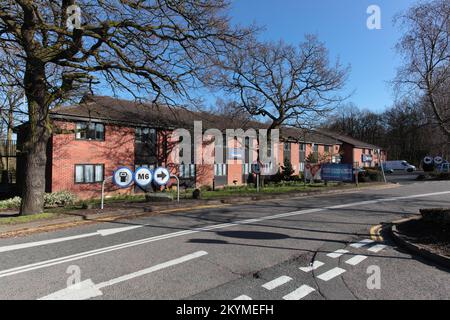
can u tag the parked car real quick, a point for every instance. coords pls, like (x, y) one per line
(398, 165)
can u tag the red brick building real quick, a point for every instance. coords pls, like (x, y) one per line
(94, 138)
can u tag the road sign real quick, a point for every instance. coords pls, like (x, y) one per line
(161, 176)
(123, 177)
(143, 177)
(256, 168)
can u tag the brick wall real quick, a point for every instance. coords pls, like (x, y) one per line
(117, 150)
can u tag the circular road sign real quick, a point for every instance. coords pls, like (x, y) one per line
(123, 177)
(143, 177)
(256, 168)
(161, 176)
(428, 160)
(438, 160)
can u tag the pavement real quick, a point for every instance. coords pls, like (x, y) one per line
(305, 248)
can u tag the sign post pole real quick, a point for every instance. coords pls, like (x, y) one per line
(382, 170)
(103, 192)
(178, 187)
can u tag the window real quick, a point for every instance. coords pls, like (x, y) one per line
(287, 150)
(220, 170)
(148, 166)
(247, 168)
(302, 155)
(145, 135)
(187, 170)
(327, 149)
(89, 173)
(90, 131)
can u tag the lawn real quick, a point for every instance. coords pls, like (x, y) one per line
(24, 219)
(243, 191)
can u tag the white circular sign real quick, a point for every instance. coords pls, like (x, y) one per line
(438, 160)
(161, 176)
(143, 177)
(428, 160)
(123, 177)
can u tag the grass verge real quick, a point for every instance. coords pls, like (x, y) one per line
(25, 219)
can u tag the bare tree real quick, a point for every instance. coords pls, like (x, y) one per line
(426, 51)
(286, 84)
(154, 47)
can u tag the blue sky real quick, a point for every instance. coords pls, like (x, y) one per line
(341, 24)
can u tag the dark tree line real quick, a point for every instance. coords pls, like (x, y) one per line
(407, 130)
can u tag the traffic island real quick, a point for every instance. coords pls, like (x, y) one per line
(427, 235)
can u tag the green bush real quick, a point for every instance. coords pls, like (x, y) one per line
(59, 199)
(56, 199)
(13, 203)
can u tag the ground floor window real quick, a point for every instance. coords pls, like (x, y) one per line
(247, 168)
(220, 170)
(89, 173)
(148, 166)
(302, 167)
(187, 170)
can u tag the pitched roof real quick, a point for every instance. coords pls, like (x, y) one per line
(125, 112)
(346, 139)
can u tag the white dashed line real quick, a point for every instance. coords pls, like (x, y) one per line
(300, 293)
(333, 273)
(314, 266)
(243, 297)
(362, 243)
(337, 253)
(377, 248)
(276, 283)
(356, 260)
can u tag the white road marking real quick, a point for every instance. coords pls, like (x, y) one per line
(243, 297)
(362, 243)
(82, 255)
(377, 248)
(300, 293)
(333, 273)
(316, 264)
(337, 253)
(87, 289)
(104, 233)
(356, 260)
(277, 282)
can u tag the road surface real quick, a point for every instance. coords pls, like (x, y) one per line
(298, 249)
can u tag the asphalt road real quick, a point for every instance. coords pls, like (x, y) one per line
(303, 248)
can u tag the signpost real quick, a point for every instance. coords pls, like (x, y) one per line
(337, 172)
(161, 176)
(123, 177)
(256, 169)
(143, 177)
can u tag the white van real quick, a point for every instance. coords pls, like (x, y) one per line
(397, 165)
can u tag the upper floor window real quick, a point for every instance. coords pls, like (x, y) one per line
(287, 146)
(327, 149)
(145, 135)
(90, 131)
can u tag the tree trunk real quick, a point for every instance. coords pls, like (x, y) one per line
(33, 188)
(35, 147)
